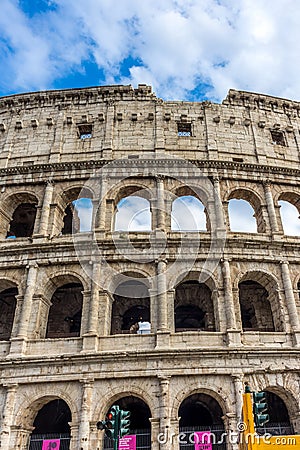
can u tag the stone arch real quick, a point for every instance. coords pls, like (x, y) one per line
(255, 202)
(131, 306)
(30, 407)
(130, 187)
(282, 387)
(136, 199)
(60, 277)
(287, 395)
(66, 218)
(223, 400)
(194, 192)
(65, 312)
(18, 214)
(62, 318)
(196, 275)
(269, 302)
(290, 225)
(195, 305)
(291, 197)
(8, 303)
(114, 394)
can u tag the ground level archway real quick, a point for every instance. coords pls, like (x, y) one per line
(201, 413)
(52, 424)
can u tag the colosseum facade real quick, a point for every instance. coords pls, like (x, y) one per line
(165, 320)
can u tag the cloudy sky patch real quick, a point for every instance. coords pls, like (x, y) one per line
(191, 49)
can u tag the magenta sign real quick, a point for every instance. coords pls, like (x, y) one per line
(128, 442)
(202, 440)
(51, 444)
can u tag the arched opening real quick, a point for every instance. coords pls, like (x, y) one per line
(289, 218)
(279, 423)
(241, 216)
(64, 318)
(52, 424)
(140, 425)
(22, 223)
(201, 413)
(193, 307)
(256, 313)
(188, 214)
(7, 312)
(78, 216)
(131, 308)
(133, 214)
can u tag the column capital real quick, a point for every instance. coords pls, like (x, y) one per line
(284, 262)
(267, 183)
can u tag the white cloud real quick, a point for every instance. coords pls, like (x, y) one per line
(133, 214)
(250, 44)
(84, 207)
(241, 216)
(188, 214)
(290, 218)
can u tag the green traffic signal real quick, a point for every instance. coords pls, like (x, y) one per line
(112, 422)
(124, 423)
(260, 406)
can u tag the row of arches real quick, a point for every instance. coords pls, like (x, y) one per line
(195, 307)
(185, 211)
(199, 411)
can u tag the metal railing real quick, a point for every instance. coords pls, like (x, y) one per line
(143, 440)
(186, 437)
(36, 441)
(276, 429)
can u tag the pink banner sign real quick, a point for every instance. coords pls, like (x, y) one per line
(128, 442)
(202, 440)
(51, 444)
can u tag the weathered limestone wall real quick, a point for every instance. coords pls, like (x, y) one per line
(44, 161)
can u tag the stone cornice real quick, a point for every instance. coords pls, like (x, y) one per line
(159, 162)
(261, 101)
(79, 96)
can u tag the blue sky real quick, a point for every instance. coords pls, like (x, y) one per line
(186, 49)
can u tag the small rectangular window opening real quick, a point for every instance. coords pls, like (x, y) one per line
(85, 131)
(278, 138)
(184, 129)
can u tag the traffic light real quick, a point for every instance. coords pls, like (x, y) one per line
(260, 407)
(124, 422)
(111, 423)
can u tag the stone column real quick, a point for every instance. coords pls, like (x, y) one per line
(85, 315)
(238, 392)
(218, 204)
(100, 204)
(155, 434)
(270, 207)
(163, 332)
(25, 314)
(289, 296)
(162, 295)
(160, 204)
(105, 313)
(229, 304)
(92, 326)
(233, 335)
(8, 416)
(74, 430)
(84, 426)
(45, 214)
(164, 399)
(231, 429)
